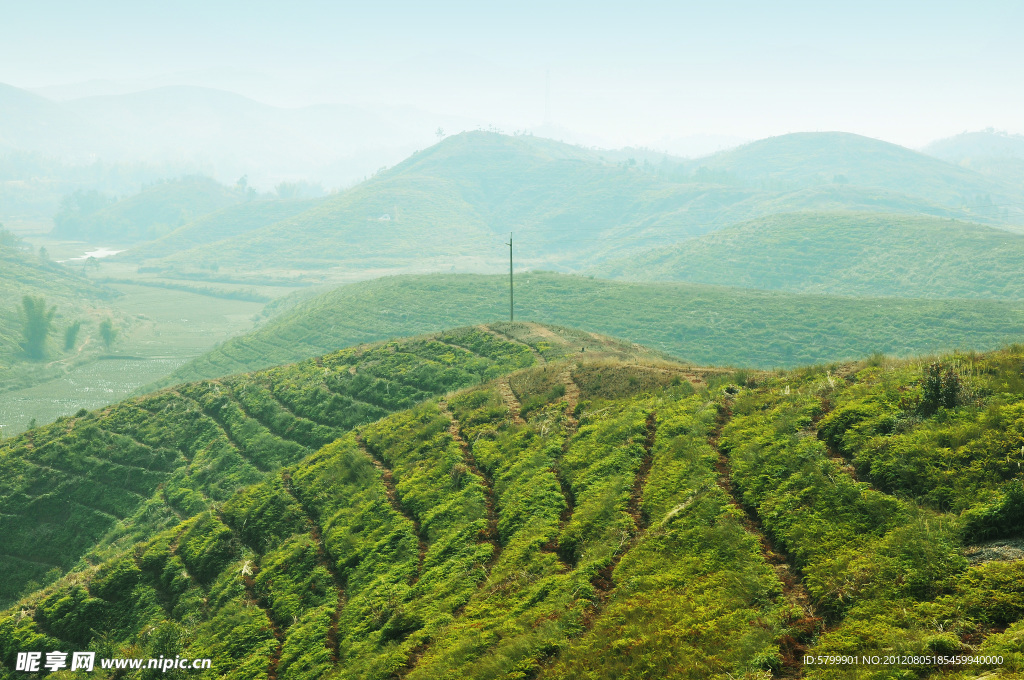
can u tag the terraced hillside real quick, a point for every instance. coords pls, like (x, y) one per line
(87, 484)
(704, 324)
(844, 253)
(589, 517)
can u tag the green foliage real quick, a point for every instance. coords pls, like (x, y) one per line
(844, 253)
(153, 212)
(940, 388)
(656, 530)
(107, 332)
(71, 335)
(89, 484)
(703, 324)
(36, 321)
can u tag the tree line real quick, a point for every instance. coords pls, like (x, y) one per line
(37, 322)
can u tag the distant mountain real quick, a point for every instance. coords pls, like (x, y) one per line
(814, 158)
(155, 211)
(570, 208)
(32, 123)
(984, 143)
(992, 153)
(234, 134)
(843, 254)
(222, 133)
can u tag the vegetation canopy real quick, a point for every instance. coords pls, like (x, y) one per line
(517, 501)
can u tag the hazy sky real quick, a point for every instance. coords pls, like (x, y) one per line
(627, 72)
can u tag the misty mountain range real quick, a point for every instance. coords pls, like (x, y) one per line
(228, 136)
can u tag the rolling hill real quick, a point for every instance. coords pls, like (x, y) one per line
(853, 254)
(129, 469)
(233, 220)
(571, 207)
(599, 517)
(992, 153)
(704, 324)
(814, 158)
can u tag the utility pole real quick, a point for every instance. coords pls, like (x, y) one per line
(511, 292)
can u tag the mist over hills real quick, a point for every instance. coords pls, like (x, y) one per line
(814, 158)
(997, 154)
(224, 134)
(34, 123)
(153, 212)
(570, 207)
(981, 144)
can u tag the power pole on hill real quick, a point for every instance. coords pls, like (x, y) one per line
(511, 293)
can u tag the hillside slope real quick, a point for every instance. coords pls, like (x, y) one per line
(992, 153)
(86, 484)
(569, 207)
(844, 254)
(599, 519)
(228, 222)
(704, 324)
(815, 158)
(153, 212)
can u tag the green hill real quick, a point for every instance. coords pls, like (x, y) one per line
(981, 144)
(94, 481)
(992, 153)
(472, 188)
(704, 324)
(151, 213)
(814, 158)
(570, 207)
(599, 519)
(844, 254)
(228, 222)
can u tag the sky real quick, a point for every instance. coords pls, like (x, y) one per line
(639, 73)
